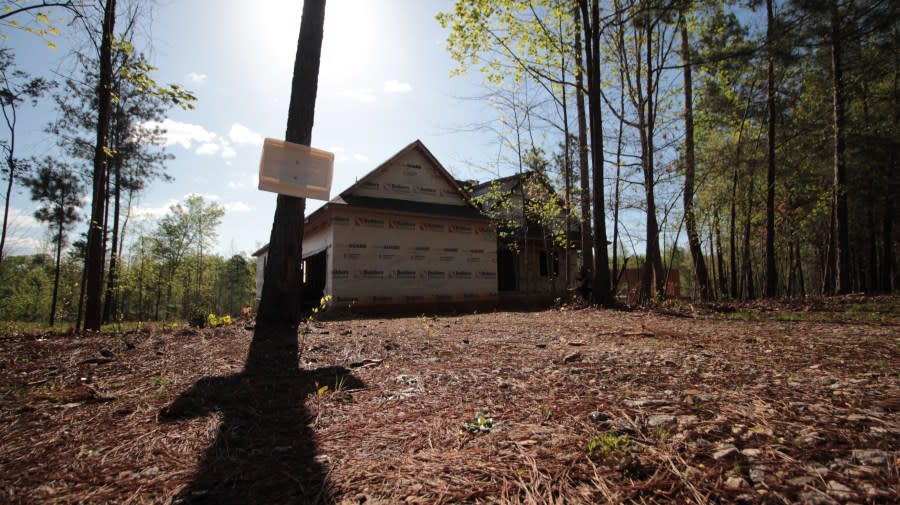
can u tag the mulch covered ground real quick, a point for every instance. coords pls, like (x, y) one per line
(770, 403)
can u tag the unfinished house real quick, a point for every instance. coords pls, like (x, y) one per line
(405, 237)
(536, 258)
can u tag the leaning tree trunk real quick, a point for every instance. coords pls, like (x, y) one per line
(281, 301)
(689, 169)
(94, 258)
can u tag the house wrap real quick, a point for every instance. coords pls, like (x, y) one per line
(404, 237)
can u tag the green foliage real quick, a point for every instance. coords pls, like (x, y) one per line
(160, 381)
(481, 424)
(323, 305)
(610, 444)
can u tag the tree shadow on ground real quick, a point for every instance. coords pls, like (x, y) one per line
(264, 451)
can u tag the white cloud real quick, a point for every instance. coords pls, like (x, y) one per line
(360, 157)
(240, 134)
(209, 197)
(365, 95)
(207, 149)
(228, 152)
(237, 207)
(247, 182)
(196, 78)
(183, 134)
(395, 86)
(146, 213)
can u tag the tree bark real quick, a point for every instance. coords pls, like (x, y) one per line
(842, 243)
(771, 268)
(587, 238)
(600, 292)
(280, 305)
(690, 169)
(94, 258)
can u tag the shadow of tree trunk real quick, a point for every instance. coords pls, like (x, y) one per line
(264, 451)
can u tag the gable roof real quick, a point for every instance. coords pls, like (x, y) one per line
(414, 145)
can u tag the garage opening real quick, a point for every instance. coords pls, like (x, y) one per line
(314, 268)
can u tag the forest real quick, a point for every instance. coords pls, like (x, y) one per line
(760, 137)
(108, 112)
(750, 145)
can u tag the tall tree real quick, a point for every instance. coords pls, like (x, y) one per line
(281, 295)
(16, 87)
(690, 167)
(590, 20)
(771, 268)
(60, 190)
(94, 259)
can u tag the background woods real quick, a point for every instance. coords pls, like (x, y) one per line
(749, 148)
(760, 138)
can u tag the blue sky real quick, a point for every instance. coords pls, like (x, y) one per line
(384, 82)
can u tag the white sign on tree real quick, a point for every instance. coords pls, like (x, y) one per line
(295, 170)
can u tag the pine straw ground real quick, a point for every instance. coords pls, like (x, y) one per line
(766, 404)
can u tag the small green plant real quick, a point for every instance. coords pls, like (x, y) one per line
(661, 434)
(482, 423)
(427, 326)
(339, 382)
(321, 390)
(609, 444)
(323, 304)
(212, 321)
(160, 381)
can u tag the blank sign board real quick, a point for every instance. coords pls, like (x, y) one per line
(295, 170)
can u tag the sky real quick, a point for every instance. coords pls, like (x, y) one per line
(384, 82)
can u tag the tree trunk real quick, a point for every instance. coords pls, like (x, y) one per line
(109, 307)
(842, 243)
(771, 268)
(690, 168)
(59, 240)
(280, 305)
(723, 288)
(587, 239)
(94, 258)
(749, 293)
(600, 292)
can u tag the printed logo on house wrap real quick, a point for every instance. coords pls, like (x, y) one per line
(369, 222)
(459, 228)
(369, 274)
(340, 220)
(415, 299)
(397, 188)
(486, 275)
(370, 185)
(404, 274)
(431, 227)
(391, 247)
(401, 225)
(352, 256)
(346, 299)
(425, 190)
(460, 274)
(340, 274)
(435, 274)
(447, 258)
(356, 245)
(382, 299)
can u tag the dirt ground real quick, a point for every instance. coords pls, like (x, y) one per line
(770, 403)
